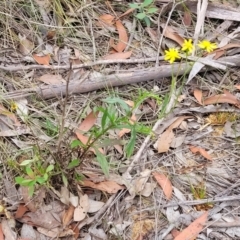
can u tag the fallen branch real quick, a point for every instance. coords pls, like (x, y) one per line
(109, 81)
(113, 80)
(196, 202)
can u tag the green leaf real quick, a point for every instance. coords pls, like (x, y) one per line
(65, 181)
(110, 142)
(140, 128)
(19, 180)
(45, 176)
(26, 162)
(49, 168)
(104, 119)
(141, 16)
(79, 177)
(115, 100)
(29, 172)
(147, 21)
(31, 190)
(131, 144)
(134, 5)
(152, 10)
(146, 3)
(73, 163)
(40, 180)
(75, 143)
(28, 182)
(103, 162)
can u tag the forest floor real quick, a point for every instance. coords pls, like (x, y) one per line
(120, 119)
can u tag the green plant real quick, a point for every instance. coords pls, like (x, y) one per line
(34, 173)
(116, 114)
(51, 129)
(145, 10)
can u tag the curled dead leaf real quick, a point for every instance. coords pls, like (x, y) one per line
(198, 95)
(170, 33)
(80, 211)
(107, 19)
(165, 184)
(123, 37)
(105, 186)
(202, 151)
(67, 217)
(118, 55)
(226, 97)
(42, 60)
(164, 141)
(192, 231)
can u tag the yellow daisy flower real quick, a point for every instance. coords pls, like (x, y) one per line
(208, 46)
(171, 55)
(13, 106)
(187, 46)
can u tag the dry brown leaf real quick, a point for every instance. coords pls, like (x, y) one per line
(192, 231)
(170, 33)
(130, 103)
(221, 51)
(165, 184)
(85, 126)
(130, 10)
(141, 181)
(118, 55)
(7, 230)
(42, 60)
(107, 19)
(226, 97)
(132, 120)
(187, 18)
(105, 186)
(175, 232)
(88, 122)
(201, 151)
(52, 79)
(22, 209)
(123, 37)
(33, 204)
(80, 211)
(178, 121)
(164, 141)
(198, 95)
(67, 217)
(40, 219)
(25, 46)
(94, 206)
(1, 233)
(10, 115)
(75, 229)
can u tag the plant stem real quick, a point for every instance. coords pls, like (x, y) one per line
(61, 129)
(91, 144)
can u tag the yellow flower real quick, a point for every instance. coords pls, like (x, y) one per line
(187, 46)
(13, 106)
(171, 55)
(208, 46)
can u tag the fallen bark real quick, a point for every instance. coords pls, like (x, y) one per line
(113, 80)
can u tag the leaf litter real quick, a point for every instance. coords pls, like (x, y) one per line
(190, 156)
